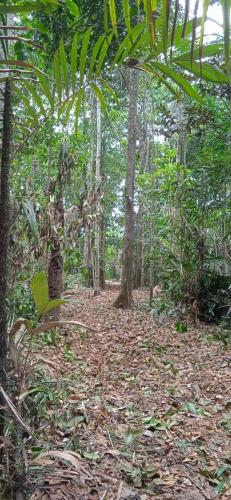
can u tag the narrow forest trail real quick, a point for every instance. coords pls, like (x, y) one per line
(150, 406)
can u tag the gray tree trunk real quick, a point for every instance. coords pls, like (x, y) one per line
(125, 299)
(5, 216)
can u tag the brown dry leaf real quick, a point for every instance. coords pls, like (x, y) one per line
(69, 456)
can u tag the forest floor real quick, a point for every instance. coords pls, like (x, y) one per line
(142, 411)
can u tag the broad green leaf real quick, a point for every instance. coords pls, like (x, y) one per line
(83, 54)
(212, 49)
(33, 92)
(72, 7)
(28, 107)
(102, 54)
(69, 108)
(112, 11)
(74, 59)
(150, 7)
(40, 291)
(26, 7)
(164, 25)
(179, 80)
(126, 9)
(105, 15)
(58, 81)
(205, 71)
(53, 304)
(46, 90)
(126, 45)
(94, 55)
(105, 84)
(64, 65)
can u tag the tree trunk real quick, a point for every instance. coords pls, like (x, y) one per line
(55, 264)
(87, 254)
(98, 200)
(4, 236)
(125, 299)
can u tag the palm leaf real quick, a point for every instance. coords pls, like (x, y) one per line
(179, 80)
(83, 54)
(36, 96)
(58, 81)
(112, 11)
(74, 59)
(102, 54)
(94, 54)
(64, 65)
(205, 71)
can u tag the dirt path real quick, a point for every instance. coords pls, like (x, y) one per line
(149, 407)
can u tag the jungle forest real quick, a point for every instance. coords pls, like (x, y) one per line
(115, 249)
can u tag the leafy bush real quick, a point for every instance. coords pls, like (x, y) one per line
(21, 302)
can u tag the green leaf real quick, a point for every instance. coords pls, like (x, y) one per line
(212, 49)
(64, 65)
(74, 59)
(53, 304)
(127, 46)
(58, 81)
(46, 89)
(40, 291)
(112, 11)
(26, 7)
(179, 80)
(72, 7)
(83, 54)
(41, 295)
(181, 327)
(32, 91)
(68, 109)
(150, 7)
(94, 54)
(29, 108)
(126, 9)
(102, 55)
(164, 25)
(205, 71)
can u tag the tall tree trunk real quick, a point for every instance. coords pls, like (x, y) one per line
(98, 200)
(144, 159)
(4, 235)
(87, 257)
(125, 299)
(55, 264)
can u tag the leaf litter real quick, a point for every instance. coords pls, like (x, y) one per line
(138, 410)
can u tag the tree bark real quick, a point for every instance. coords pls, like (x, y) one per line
(87, 257)
(98, 200)
(55, 264)
(4, 235)
(125, 299)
